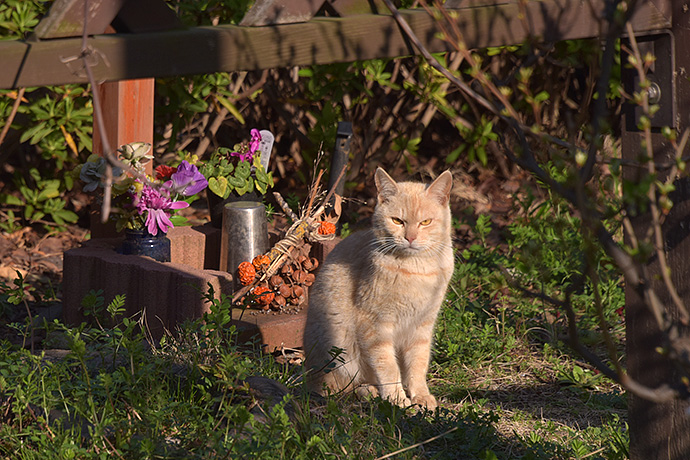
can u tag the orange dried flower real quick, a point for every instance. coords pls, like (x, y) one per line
(326, 228)
(263, 295)
(246, 273)
(261, 262)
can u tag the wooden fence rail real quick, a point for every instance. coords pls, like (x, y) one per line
(226, 48)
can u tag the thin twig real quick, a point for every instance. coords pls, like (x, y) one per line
(285, 207)
(414, 446)
(664, 269)
(13, 113)
(98, 116)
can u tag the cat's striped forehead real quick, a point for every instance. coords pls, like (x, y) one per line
(411, 202)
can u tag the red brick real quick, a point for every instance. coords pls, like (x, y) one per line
(170, 293)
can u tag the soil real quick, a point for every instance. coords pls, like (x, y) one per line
(36, 257)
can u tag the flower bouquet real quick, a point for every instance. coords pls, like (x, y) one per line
(143, 204)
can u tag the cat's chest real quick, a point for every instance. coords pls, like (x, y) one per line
(402, 282)
(408, 274)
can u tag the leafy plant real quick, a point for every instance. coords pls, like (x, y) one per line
(9, 223)
(237, 170)
(19, 17)
(40, 201)
(61, 121)
(18, 294)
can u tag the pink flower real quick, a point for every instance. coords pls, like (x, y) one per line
(253, 147)
(157, 208)
(255, 142)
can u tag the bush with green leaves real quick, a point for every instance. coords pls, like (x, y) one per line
(50, 131)
(19, 17)
(40, 203)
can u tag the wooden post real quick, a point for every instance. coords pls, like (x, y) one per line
(661, 431)
(127, 107)
(127, 113)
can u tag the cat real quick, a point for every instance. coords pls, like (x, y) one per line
(374, 304)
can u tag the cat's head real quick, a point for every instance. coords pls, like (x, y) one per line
(411, 217)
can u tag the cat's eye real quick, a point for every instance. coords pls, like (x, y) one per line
(425, 222)
(397, 221)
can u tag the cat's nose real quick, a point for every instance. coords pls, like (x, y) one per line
(410, 234)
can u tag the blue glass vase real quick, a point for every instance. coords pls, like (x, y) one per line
(142, 243)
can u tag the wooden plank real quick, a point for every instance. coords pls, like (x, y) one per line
(661, 431)
(319, 41)
(66, 18)
(270, 12)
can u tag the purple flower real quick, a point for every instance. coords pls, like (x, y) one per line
(157, 207)
(255, 142)
(253, 147)
(247, 156)
(187, 180)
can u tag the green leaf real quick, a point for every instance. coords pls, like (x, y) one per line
(51, 190)
(179, 221)
(31, 132)
(219, 186)
(241, 190)
(481, 155)
(455, 154)
(85, 139)
(65, 215)
(69, 181)
(261, 175)
(11, 200)
(30, 195)
(231, 108)
(243, 170)
(542, 96)
(237, 182)
(29, 212)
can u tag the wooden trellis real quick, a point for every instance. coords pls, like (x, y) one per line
(132, 42)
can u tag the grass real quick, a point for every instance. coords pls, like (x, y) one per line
(508, 387)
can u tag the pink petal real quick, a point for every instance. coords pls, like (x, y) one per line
(151, 225)
(164, 221)
(179, 205)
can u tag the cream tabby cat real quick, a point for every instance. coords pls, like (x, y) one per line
(377, 296)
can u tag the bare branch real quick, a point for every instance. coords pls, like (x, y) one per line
(13, 113)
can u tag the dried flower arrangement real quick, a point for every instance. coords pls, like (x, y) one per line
(278, 279)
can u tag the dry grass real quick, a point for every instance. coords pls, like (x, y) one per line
(530, 398)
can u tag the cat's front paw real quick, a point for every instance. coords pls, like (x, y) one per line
(426, 401)
(398, 397)
(402, 401)
(366, 391)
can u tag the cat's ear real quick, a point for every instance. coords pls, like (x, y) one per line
(385, 185)
(440, 188)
